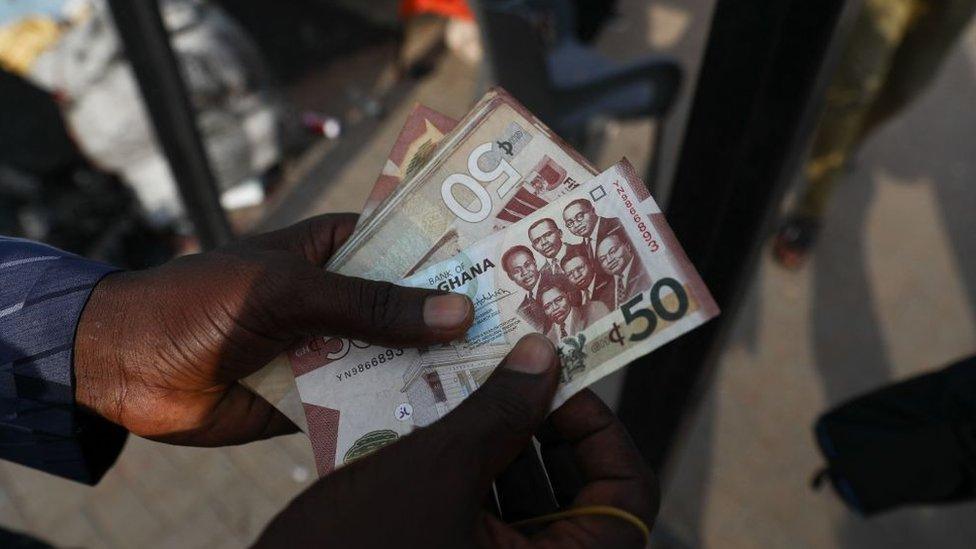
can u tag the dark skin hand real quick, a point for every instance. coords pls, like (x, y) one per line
(428, 489)
(160, 351)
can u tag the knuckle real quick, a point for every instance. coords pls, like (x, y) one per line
(324, 233)
(278, 279)
(508, 411)
(285, 275)
(382, 304)
(310, 241)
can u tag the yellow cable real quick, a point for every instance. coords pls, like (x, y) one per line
(605, 510)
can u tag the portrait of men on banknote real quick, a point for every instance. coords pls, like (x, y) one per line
(520, 265)
(583, 272)
(547, 238)
(566, 315)
(582, 220)
(617, 258)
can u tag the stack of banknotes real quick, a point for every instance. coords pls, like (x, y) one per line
(497, 207)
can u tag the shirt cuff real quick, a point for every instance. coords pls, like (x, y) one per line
(40, 426)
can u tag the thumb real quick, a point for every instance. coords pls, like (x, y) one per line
(498, 420)
(326, 303)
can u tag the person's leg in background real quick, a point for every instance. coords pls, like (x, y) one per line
(859, 78)
(931, 35)
(894, 50)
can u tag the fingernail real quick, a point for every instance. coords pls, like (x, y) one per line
(447, 311)
(531, 355)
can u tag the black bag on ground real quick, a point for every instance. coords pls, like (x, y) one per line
(907, 443)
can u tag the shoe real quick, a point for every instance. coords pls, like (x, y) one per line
(794, 240)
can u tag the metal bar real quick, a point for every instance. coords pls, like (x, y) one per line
(766, 65)
(140, 25)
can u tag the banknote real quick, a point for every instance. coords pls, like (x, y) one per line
(496, 166)
(597, 270)
(499, 164)
(422, 131)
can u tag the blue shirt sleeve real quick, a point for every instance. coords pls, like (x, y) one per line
(42, 293)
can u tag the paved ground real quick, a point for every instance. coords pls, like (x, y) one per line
(891, 292)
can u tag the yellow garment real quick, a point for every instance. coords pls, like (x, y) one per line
(22, 42)
(894, 50)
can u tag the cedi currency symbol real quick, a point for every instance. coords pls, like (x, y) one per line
(479, 209)
(648, 314)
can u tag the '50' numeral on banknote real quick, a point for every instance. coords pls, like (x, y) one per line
(657, 306)
(471, 182)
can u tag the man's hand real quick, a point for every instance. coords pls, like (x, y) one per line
(428, 489)
(160, 351)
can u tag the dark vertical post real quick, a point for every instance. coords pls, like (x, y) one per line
(140, 25)
(763, 74)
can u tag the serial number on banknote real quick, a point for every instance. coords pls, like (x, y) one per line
(641, 225)
(366, 365)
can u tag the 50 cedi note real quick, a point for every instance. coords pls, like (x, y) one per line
(597, 270)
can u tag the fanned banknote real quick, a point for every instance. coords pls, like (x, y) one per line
(597, 270)
(459, 202)
(498, 165)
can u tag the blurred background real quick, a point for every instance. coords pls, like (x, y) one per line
(298, 103)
